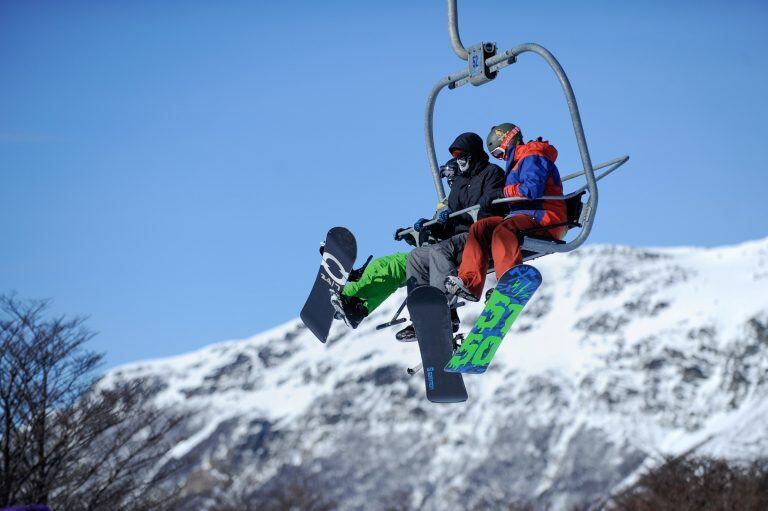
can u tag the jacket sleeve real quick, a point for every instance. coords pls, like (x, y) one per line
(533, 178)
(492, 188)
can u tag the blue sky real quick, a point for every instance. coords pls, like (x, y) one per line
(169, 168)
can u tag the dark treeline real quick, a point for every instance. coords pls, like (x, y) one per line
(678, 484)
(65, 441)
(698, 484)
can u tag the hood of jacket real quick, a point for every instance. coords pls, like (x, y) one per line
(472, 144)
(535, 147)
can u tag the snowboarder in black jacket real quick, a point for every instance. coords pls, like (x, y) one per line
(475, 181)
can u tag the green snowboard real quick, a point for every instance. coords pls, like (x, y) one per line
(512, 292)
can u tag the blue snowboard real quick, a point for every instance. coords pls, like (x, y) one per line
(512, 292)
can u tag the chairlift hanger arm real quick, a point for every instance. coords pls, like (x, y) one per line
(429, 129)
(453, 31)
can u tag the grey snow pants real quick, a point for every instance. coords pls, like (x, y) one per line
(431, 264)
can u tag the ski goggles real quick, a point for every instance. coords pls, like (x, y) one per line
(501, 151)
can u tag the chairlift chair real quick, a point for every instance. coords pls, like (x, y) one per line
(483, 66)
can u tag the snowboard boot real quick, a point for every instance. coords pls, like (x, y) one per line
(349, 309)
(407, 334)
(455, 286)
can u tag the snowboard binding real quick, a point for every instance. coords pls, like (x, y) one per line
(455, 286)
(457, 340)
(349, 309)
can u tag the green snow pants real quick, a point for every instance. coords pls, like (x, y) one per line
(380, 279)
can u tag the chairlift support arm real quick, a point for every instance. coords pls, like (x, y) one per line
(453, 31)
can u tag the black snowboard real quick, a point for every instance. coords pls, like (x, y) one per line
(338, 257)
(428, 307)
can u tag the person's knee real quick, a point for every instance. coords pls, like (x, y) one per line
(417, 263)
(507, 234)
(414, 258)
(483, 229)
(478, 227)
(440, 252)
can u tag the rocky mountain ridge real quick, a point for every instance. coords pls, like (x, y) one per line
(623, 355)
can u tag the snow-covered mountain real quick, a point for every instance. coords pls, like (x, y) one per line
(624, 355)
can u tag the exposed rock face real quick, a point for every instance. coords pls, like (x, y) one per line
(624, 354)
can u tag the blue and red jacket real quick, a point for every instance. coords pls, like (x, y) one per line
(531, 172)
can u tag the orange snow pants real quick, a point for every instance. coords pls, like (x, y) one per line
(497, 238)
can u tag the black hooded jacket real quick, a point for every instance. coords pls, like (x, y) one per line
(482, 179)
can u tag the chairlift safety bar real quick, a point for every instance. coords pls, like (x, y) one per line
(612, 164)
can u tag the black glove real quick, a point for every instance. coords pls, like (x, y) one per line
(355, 275)
(442, 216)
(419, 225)
(485, 200)
(407, 237)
